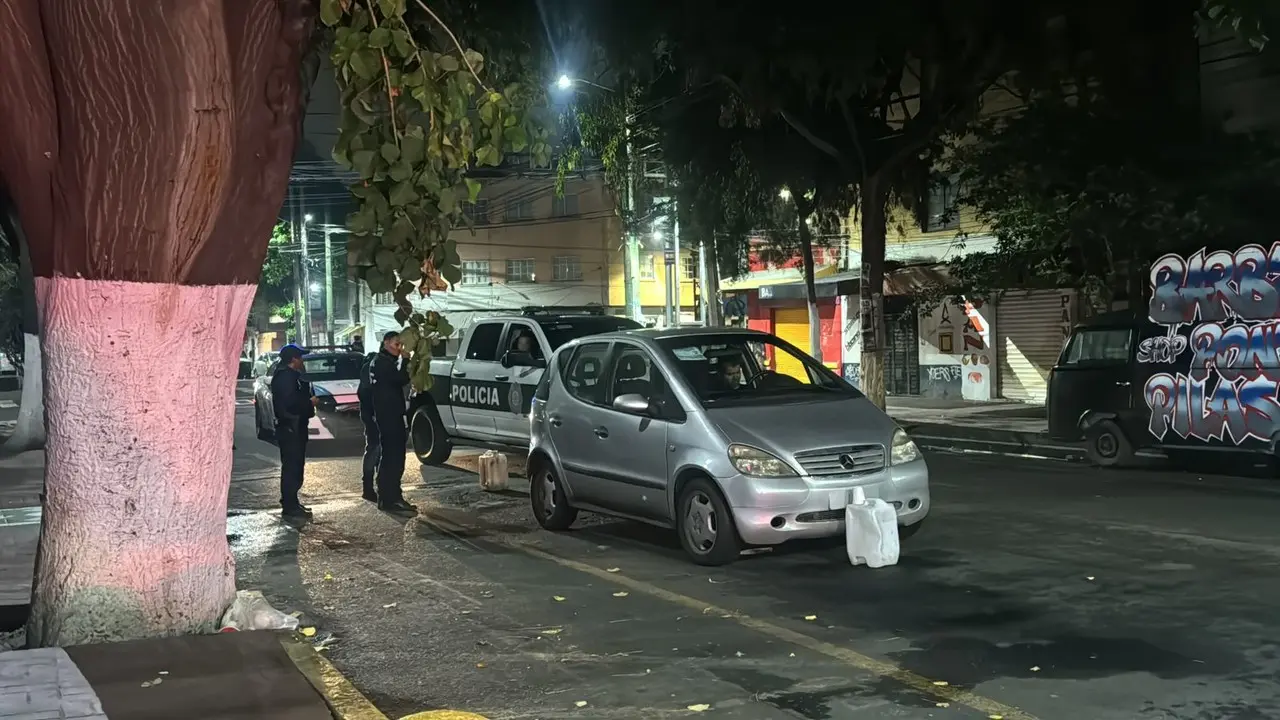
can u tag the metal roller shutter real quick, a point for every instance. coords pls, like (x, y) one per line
(1031, 326)
(792, 325)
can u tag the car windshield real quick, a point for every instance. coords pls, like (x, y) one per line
(726, 369)
(561, 331)
(322, 368)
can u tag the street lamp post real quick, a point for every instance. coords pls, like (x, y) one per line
(305, 336)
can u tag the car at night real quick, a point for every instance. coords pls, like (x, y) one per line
(335, 379)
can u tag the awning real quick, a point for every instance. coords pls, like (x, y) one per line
(783, 276)
(347, 332)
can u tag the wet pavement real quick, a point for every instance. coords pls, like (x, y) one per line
(1036, 590)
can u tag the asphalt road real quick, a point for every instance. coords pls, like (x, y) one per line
(1037, 590)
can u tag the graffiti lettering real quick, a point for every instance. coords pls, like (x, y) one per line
(1227, 389)
(1161, 350)
(944, 373)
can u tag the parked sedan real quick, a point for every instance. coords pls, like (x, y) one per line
(731, 437)
(335, 380)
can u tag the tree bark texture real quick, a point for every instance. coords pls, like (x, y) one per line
(871, 289)
(148, 146)
(810, 287)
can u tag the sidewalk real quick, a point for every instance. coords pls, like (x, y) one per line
(1000, 427)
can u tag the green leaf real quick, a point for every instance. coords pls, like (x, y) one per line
(330, 12)
(473, 190)
(448, 201)
(488, 155)
(399, 232)
(409, 336)
(411, 270)
(516, 138)
(380, 38)
(386, 261)
(390, 152)
(475, 60)
(362, 221)
(444, 328)
(452, 274)
(366, 63)
(448, 63)
(401, 171)
(413, 146)
(403, 194)
(364, 162)
(378, 281)
(403, 43)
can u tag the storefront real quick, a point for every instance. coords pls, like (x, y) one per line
(1031, 327)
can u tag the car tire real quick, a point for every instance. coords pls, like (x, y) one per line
(906, 532)
(705, 524)
(550, 503)
(430, 441)
(264, 433)
(1106, 444)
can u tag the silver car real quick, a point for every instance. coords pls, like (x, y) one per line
(732, 437)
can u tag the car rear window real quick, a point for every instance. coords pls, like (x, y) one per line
(559, 332)
(321, 368)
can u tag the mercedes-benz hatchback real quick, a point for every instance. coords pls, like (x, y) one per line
(731, 437)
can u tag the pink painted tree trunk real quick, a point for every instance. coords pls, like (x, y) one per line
(148, 145)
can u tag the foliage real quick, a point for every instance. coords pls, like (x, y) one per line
(276, 286)
(1087, 194)
(416, 117)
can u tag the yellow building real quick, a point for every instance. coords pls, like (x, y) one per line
(653, 283)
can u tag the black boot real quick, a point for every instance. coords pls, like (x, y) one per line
(369, 494)
(400, 505)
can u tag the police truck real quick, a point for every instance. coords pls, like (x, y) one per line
(482, 396)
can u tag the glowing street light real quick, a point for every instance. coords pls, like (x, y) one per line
(315, 287)
(785, 194)
(307, 218)
(565, 82)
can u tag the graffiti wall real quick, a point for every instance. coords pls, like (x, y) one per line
(1217, 366)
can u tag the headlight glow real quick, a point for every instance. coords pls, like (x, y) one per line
(754, 462)
(904, 449)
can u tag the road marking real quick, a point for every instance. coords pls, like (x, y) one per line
(882, 668)
(8, 404)
(443, 715)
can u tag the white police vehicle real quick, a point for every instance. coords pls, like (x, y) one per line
(483, 395)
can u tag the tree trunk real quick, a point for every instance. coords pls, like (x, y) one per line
(871, 289)
(28, 433)
(134, 539)
(148, 153)
(810, 286)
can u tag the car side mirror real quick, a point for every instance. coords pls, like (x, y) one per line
(633, 404)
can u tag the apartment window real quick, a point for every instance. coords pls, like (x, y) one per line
(475, 272)
(940, 205)
(384, 299)
(520, 270)
(688, 268)
(647, 266)
(564, 206)
(567, 268)
(519, 210)
(477, 212)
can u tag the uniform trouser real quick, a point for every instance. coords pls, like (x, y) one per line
(394, 437)
(372, 450)
(293, 458)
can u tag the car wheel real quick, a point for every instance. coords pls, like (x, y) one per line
(550, 504)
(430, 442)
(1106, 444)
(264, 433)
(907, 531)
(705, 524)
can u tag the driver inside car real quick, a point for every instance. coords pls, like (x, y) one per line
(731, 373)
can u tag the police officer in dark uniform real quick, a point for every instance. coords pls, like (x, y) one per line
(372, 438)
(294, 406)
(387, 382)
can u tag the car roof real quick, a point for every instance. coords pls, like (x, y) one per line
(655, 334)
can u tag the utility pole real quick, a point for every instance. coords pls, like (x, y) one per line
(305, 338)
(676, 301)
(328, 278)
(295, 239)
(704, 287)
(631, 247)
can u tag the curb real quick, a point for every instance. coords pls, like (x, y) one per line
(343, 699)
(949, 438)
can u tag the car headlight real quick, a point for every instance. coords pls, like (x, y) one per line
(904, 449)
(755, 462)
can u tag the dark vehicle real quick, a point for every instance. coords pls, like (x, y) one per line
(1124, 384)
(335, 377)
(482, 397)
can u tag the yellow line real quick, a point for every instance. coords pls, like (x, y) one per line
(919, 683)
(347, 702)
(443, 715)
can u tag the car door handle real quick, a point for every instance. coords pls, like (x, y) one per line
(501, 378)
(459, 373)
(1123, 383)
(602, 432)
(555, 421)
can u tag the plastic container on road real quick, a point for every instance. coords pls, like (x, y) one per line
(871, 531)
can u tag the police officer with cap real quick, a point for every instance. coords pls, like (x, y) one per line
(294, 406)
(388, 378)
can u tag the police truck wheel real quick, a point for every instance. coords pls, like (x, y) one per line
(1106, 444)
(430, 442)
(546, 494)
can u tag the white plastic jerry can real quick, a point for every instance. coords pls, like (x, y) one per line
(493, 471)
(871, 531)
